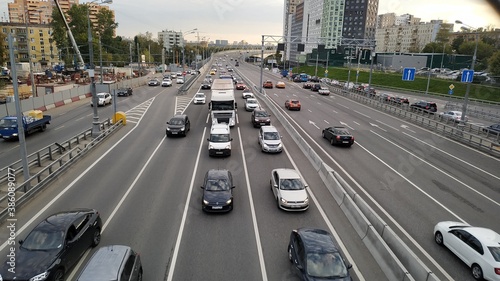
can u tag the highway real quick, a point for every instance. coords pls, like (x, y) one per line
(147, 187)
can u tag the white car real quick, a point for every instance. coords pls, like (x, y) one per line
(270, 139)
(199, 98)
(452, 115)
(247, 94)
(102, 99)
(166, 82)
(179, 80)
(324, 91)
(289, 190)
(477, 247)
(251, 104)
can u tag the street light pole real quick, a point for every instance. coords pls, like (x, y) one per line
(429, 73)
(466, 97)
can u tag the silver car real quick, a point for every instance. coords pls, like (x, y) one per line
(289, 190)
(453, 115)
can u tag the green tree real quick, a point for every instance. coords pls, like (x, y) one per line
(443, 35)
(436, 47)
(494, 63)
(3, 52)
(484, 52)
(459, 40)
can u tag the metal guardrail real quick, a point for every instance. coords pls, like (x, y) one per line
(26, 190)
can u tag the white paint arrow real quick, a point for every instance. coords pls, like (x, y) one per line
(345, 124)
(328, 122)
(314, 124)
(406, 127)
(275, 94)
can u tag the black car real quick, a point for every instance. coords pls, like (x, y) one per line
(55, 245)
(426, 106)
(314, 79)
(206, 84)
(260, 117)
(307, 85)
(315, 87)
(154, 82)
(315, 256)
(338, 135)
(400, 100)
(178, 125)
(122, 92)
(217, 191)
(493, 129)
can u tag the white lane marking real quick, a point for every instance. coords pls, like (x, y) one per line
(78, 119)
(406, 127)
(387, 125)
(356, 123)
(362, 114)
(184, 214)
(329, 122)
(58, 128)
(344, 106)
(309, 110)
(441, 171)
(328, 223)
(252, 211)
(345, 124)
(334, 111)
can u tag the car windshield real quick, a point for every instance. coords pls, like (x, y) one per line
(217, 185)
(342, 132)
(219, 137)
(43, 240)
(291, 184)
(295, 102)
(101, 96)
(251, 101)
(271, 136)
(495, 252)
(261, 114)
(176, 122)
(326, 265)
(200, 95)
(7, 123)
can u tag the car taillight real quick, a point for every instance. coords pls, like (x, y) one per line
(497, 271)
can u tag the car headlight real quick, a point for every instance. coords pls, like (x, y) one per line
(205, 202)
(228, 147)
(283, 200)
(307, 200)
(168, 129)
(229, 201)
(40, 277)
(182, 129)
(210, 147)
(14, 135)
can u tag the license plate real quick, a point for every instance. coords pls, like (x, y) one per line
(262, 123)
(216, 207)
(218, 152)
(345, 142)
(174, 133)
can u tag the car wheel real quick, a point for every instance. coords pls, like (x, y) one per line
(59, 275)
(290, 254)
(331, 141)
(438, 237)
(477, 272)
(96, 238)
(44, 127)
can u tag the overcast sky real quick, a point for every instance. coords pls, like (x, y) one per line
(236, 20)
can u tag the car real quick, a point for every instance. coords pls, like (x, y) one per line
(268, 84)
(122, 92)
(426, 106)
(166, 82)
(219, 140)
(173, 75)
(260, 117)
(477, 247)
(289, 190)
(453, 115)
(338, 136)
(280, 85)
(315, 255)
(240, 86)
(179, 80)
(251, 104)
(55, 245)
(247, 93)
(213, 71)
(206, 84)
(178, 125)
(154, 82)
(102, 99)
(199, 98)
(315, 87)
(324, 91)
(270, 139)
(292, 104)
(400, 100)
(113, 262)
(217, 191)
(209, 78)
(179, 74)
(384, 97)
(307, 85)
(314, 79)
(493, 129)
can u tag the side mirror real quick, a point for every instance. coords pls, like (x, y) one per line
(202, 187)
(349, 266)
(21, 241)
(235, 105)
(233, 186)
(168, 122)
(231, 139)
(299, 267)
(208, 139)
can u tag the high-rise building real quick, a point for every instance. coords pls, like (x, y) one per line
(35, 11)
(360, 19)
(170, 39)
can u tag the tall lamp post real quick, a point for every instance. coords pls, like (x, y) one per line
(96, 130)
(466, 97)
(184, 45)
(429, 73)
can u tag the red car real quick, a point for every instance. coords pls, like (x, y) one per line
(292, 105)
(268, 84)
(240, 86)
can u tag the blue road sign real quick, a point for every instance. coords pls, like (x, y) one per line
(467, 76)
(409, 74)
(450, 92)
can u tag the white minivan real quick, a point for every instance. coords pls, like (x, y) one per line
(219, 140)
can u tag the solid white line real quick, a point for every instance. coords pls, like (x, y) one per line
(252, 211)
(356, 123)
(184, 214)
(387, 125)
(58, 128)
(362, 114)
(328, 223)
(344, 106)
(439, 170)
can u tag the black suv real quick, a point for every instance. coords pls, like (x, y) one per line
(124, 92)
(217, 191)
(315, 87)
(260, 117)
(426, 106)
(315, 255)
(179, 125)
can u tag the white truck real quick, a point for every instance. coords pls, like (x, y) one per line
(222, 103)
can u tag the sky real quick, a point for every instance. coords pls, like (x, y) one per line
(236, 20)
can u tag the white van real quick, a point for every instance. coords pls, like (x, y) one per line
(219, 140)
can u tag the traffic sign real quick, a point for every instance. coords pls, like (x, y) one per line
(450, 92)
(452, 87)
(409, 74)
(467, 76)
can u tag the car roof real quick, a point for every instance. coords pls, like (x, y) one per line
(179, 116)
(105, 263)
(63, 220)
(485, 235)
(287, 173)
(218, 173)
(317, 240)
(268, 128)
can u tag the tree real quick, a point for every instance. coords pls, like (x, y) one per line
(3, 52)
(435, 47)
(494, 63)
(459, 40)
(443, 35)
(484, 52)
